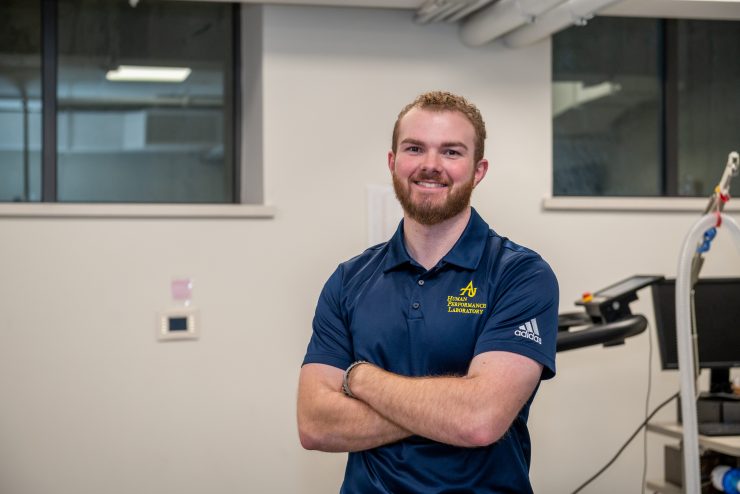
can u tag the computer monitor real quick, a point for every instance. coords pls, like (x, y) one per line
(717, 313)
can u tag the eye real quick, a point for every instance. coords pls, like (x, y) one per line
(413, 149)
(452, 152)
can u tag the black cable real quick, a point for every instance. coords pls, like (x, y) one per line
(647, 407)
(634, 434)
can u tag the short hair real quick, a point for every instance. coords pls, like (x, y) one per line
(445, 101)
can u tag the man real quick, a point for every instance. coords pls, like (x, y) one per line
(427, 350)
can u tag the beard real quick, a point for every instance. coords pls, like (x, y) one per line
(425, 211)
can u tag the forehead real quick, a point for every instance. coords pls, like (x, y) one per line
(445, 125)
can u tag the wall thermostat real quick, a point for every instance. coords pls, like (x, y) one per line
(178, 324)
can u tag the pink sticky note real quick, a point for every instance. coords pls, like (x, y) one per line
(182, 289)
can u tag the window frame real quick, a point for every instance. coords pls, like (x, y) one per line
(245, 142)
(669, 200)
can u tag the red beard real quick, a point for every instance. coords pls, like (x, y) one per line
(426, 211)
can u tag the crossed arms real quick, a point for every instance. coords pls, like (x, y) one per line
(468, 411)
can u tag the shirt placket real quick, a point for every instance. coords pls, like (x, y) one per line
(416, 324)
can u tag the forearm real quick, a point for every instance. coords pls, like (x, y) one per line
(445, 409)
(341, 424)
(330, 421)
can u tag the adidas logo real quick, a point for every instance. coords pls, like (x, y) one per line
(530, 331)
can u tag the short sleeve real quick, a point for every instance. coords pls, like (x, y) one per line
(330, 342)
(524, 319)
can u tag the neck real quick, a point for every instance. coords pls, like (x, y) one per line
(428, 244)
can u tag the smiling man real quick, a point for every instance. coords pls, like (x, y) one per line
(427, 350)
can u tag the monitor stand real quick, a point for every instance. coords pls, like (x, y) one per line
(720, 386)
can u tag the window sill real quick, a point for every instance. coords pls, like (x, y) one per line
(675, 204)
(57, 210)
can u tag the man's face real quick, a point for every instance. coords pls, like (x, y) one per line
(433, 169)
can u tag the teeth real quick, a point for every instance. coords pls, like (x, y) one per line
(430, 184)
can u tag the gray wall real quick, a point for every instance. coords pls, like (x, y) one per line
(90, 402)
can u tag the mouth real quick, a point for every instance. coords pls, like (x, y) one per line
(427, 184)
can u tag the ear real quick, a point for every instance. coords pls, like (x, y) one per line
(391, 161)
(481, 168)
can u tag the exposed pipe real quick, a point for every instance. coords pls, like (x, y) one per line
(442, 13)
(501, 17)
(685, 345)
(477, 5)
(572, 12)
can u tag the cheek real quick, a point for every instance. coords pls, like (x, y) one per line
(403, 169)
(462, 175)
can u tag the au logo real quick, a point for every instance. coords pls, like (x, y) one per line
(462, 304)
(469, 290)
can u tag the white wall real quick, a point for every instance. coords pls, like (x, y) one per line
(90, 402)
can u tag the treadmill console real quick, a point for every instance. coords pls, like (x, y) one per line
(612, 303)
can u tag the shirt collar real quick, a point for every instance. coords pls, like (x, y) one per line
(466, 253)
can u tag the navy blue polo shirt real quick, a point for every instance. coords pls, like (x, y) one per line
(487, 293)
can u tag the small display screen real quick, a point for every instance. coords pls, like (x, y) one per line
(626, 286)
(178, 323)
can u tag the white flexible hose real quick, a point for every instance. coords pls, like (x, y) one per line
(692, 476)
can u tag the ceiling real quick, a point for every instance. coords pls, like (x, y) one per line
(520, 23)
(651, 8)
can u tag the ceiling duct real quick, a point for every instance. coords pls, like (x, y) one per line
(447, 10)
(520, 23)
(571, 12)
(502, 17)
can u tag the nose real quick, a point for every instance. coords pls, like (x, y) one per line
(432, 162)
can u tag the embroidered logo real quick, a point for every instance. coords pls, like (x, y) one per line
(461, 304)
(530, 331)
(469, 290)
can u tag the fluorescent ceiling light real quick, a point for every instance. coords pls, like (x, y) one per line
(571, 94)
(148, 74)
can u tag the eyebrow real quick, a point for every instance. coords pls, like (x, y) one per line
(454, 144)
(449, 144)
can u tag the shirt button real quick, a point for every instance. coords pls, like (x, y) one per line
(416, 305)
(421, 282)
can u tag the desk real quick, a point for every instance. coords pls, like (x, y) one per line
(663, 487)
(729, 445)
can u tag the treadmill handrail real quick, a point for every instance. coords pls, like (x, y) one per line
(601, 334)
